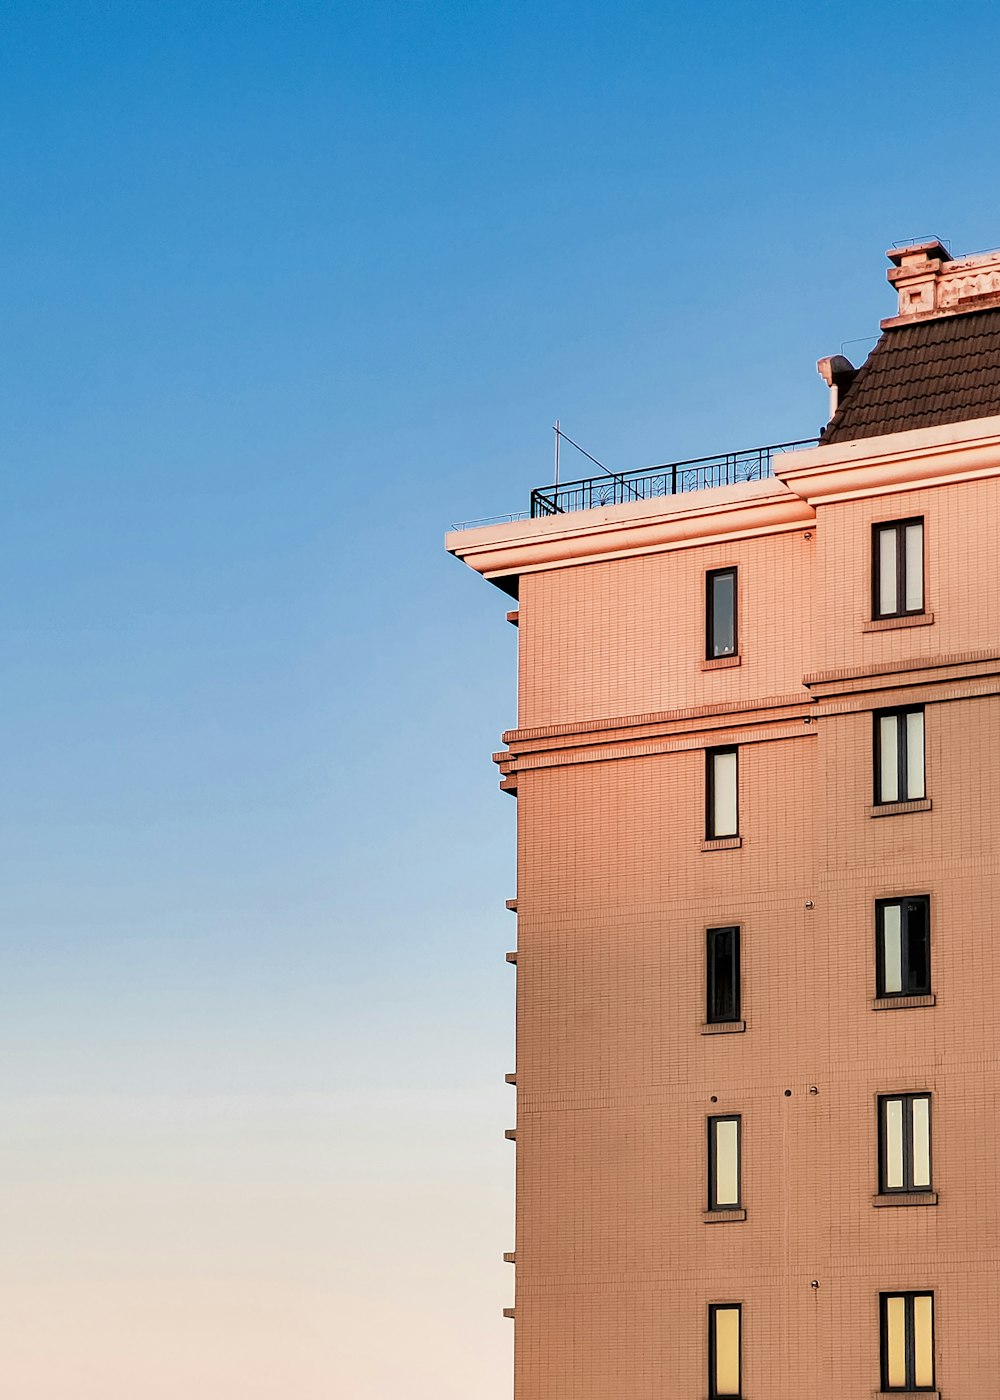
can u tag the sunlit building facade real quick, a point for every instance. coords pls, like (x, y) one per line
(757, 769)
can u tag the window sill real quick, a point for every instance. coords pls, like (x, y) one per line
(889, 624)
(902, 1003)
(719, 1217)
(719, 663)
(906, 1198)
(723, 1027)
(895, 809)
(895, 1394)
(723, 843)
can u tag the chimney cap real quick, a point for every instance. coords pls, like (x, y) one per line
(833, 368)
(929, 247)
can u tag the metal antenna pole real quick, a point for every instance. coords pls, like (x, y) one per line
(558, 436)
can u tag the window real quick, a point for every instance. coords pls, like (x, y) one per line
(899, 754)
(898, 568)
(907, 1326)
(722, 977)
(724, 1163)
(902, 947)
(724, 1348)
(904, 1142)
(721, 818)
(720, 613)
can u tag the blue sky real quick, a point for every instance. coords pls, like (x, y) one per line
(286, 289)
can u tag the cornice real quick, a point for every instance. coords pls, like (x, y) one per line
(783, 717)
(895, 675)
(938, 692)
(511, 765)
(848, 690)
(656, 721)
(639, 527)
(907, 461)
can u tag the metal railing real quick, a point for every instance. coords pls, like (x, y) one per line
(511, 517)
(616, 488)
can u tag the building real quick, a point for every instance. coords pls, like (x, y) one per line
(757, 768)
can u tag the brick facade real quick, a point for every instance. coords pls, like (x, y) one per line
(616, 1264)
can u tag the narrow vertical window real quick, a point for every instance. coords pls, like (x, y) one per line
(724, 1163)
(724, 1351)
(907, 1327)
(721, 793)
(902, 947)
(898, 568)
(904, 1150)
(722, 974)
(899, 755)
(720, 613)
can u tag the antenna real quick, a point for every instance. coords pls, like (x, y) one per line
(615, 476)
(560, 434)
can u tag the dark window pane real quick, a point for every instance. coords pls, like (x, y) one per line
(723, 619)
(917, 947)
(723, 974)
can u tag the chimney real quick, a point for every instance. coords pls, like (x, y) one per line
(838, 372)
(931, 283)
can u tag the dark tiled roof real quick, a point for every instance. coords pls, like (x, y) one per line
(944, 371)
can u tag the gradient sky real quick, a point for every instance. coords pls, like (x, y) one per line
(286, 289)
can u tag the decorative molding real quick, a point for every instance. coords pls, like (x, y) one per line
(932, 284)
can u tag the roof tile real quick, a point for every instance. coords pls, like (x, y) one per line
(920, 375)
